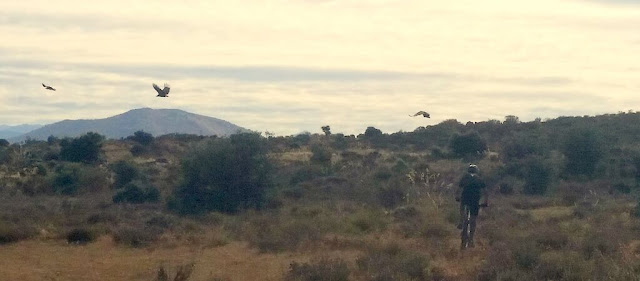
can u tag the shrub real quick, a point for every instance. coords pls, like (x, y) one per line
(368, 221)
(10, 233)
(80, 236)
(141, 137)
(74, 178)
(470, 143)
(436, 229)
(321, 155)
(525, 254)
(393, 263)
(85, 148)
(125, 172)
(325, 269)
(497, 264)
(505, 188)
(136, 237)
(538, 177)
(391, 194)
(551, 238)
(305, 173)
(41, 170)
(137, 150)
(562, 266)
(224, 175)
(583, 150)
(636, 210)
(135, 194)
(101, 218)
(183, 273)
(275, 236)
(599, 243)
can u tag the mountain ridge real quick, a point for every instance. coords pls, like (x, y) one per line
(154, 121)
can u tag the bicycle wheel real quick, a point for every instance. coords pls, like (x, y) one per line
(464, 234)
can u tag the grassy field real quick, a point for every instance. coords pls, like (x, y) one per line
(365, 214)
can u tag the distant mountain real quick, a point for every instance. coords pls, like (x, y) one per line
(154, 121)
(8, 131)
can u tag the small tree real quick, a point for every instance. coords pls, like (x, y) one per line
(134, 193)
(85, 148)
(224, 175)
(125, 172)
(470, 143)
(372, 132)
(583, 151)
(321, 155)
(326, 130)
(141, 137)
(537, 177)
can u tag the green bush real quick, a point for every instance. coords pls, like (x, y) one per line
(80, 236)
(467, 144)
(537, 178)
(138, 149)
(85, 148)
(141, 137)
(321, 155)
(305, 173)
(224, 175)
(74, 178)
(135, 194)
(10, 233)
(583, 149)
(125, 172)
(392, 194)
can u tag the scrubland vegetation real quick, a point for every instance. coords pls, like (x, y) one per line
(326, 206)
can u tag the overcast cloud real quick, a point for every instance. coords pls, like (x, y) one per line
(288, 66)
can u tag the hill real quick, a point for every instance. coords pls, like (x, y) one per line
(7, 131)
(155, 121)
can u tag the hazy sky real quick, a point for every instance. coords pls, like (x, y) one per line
(288, 66)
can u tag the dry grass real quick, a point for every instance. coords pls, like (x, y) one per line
(105, 261)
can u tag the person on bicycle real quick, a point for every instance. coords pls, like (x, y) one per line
(471, 189)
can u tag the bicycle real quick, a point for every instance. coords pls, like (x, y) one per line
(465, 234)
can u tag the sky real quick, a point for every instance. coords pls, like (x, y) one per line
(289, 66)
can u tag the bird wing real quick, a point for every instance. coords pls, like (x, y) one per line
(160, 92)
(166, 89)
(43, 85)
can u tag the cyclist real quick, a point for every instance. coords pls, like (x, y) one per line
(471, 189)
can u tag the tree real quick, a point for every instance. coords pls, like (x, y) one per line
(141, 137)
(51, 140)
(372, 132)
(85, 148)
(583, 150)
(466, 144)
(224, 175)
(4, 143)
(537, 177)
(125, 172)
(326, 130)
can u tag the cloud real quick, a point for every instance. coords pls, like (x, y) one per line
(290, 66)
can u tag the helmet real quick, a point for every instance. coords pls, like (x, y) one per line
(473, 169)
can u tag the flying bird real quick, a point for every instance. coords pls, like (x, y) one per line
(48, 87)
(423, 113)
(163, 93)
